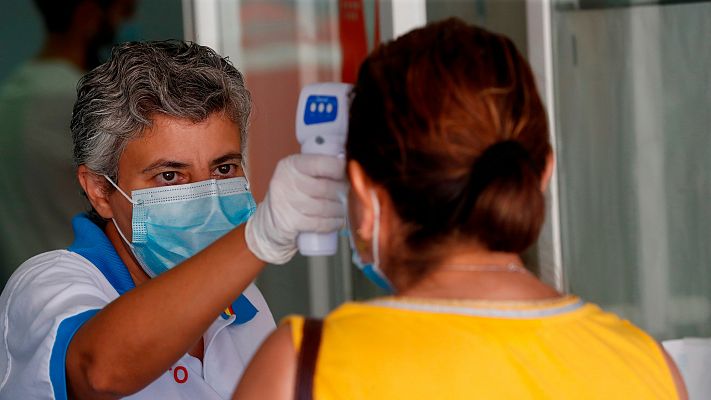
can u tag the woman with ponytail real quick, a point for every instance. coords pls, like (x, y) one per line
(448, 159)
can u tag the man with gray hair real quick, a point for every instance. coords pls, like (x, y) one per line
(154, 298)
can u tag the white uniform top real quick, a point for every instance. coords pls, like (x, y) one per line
(51, 295)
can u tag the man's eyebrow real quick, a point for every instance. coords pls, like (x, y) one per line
(227, 157)
(165, 164)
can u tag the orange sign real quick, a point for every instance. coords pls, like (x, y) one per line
(353, 36)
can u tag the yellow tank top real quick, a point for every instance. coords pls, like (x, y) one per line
(395, 348)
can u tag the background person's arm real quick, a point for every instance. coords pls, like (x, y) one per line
(137, 337)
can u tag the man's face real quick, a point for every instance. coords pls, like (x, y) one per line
(175, 152)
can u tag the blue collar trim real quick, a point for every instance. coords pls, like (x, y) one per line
(91, 243)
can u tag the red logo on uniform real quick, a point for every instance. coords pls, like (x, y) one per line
(180, 374)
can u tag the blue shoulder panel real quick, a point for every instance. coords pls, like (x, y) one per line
(91, 243)
(58, 358)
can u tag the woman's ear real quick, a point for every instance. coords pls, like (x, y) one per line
(547, 171)
(94, 187)
(360, 202)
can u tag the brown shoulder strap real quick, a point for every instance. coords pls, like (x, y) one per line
(308, 355)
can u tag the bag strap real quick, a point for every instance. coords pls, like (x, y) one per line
(306, 367)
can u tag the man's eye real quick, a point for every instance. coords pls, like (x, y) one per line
(168, 176)
(225, 169)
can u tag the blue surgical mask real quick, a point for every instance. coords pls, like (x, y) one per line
(372, 270)
(172, 223)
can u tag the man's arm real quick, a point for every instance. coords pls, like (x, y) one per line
(137, 337)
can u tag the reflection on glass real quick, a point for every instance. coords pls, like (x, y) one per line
(506, 17)
(282, 45)
(633, 94)
(52, 44)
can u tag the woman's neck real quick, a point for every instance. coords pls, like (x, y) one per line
(480, 275)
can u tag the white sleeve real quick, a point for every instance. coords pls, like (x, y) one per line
(43, 305)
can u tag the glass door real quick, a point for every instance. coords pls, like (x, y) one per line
(280, 46)
(633, 109)
(627, 85)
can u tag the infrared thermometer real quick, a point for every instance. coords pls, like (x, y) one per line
(321, 128)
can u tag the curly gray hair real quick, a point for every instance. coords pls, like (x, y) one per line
(116, 100)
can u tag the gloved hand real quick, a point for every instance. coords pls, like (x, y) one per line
(304, 196)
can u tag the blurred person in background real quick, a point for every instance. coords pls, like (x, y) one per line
(36, 173)
(154, 298)
(448, 159)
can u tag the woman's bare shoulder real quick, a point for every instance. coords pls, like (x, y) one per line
(271, 373)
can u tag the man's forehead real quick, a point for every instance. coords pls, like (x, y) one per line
(181, 140)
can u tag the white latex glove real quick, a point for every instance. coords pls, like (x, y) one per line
(304, 196)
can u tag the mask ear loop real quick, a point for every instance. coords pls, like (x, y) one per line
(130, 201)
(385, 282)
(246, 177)
(121, 234)
(376, 229)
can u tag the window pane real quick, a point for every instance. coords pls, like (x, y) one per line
(633, 88)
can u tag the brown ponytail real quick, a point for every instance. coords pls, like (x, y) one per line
(448, 120)
(503, 205)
